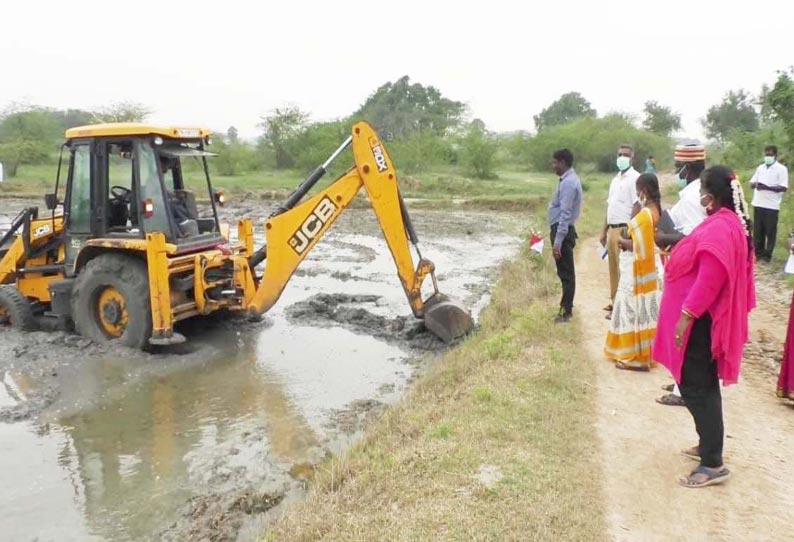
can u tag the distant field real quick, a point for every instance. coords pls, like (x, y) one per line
(438, 185)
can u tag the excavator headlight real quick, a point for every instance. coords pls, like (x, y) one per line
(158, 140)
(148, 208)
(220, 198)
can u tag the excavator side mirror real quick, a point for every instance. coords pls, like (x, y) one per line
(51, 201)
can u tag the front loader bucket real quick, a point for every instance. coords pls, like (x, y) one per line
(446, 318)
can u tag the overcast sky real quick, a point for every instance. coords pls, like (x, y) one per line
(230, 62)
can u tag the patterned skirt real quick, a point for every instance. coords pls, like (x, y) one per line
(632, 327)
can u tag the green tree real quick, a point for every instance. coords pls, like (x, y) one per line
(28, 134)
(281, 128)
(568, 107)
(122, 112)
(660, 119)
(780, 102)
(735, 111)
(594, 142)
(69, 118)
(233, 157)
(315, 143)
(401, 108)
(231, 133)
(478, 151)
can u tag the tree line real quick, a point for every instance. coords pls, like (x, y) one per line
(425, 129)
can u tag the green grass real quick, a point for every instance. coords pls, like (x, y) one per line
(513, 397)
(512, 190)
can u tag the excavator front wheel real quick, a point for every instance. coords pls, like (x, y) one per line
(110, 300)
(15, 310)
(111, 311)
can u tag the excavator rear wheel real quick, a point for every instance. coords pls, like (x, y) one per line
(15, 310)
(110, 300)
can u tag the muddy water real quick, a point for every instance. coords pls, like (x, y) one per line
(129, 439)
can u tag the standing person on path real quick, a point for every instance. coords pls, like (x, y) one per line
(770, 181)
(785, 380)
(681, 219)
(621, 206)
(709, 291)
(650, 165)
(633, 324)
(564, 210)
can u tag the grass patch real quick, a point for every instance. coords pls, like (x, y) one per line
(513, 190)
(511, 398)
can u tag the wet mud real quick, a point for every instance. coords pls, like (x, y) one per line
(213, 439)
(351, 312)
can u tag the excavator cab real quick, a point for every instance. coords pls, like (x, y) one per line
(128, 185)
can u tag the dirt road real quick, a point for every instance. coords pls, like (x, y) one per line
(640, 439)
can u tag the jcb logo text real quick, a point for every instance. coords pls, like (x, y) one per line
(312, 226)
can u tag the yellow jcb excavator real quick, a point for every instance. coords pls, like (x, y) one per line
(129, 254)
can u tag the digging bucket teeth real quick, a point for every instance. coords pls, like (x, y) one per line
(447, 318)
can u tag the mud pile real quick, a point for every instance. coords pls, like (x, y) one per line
(346, 310)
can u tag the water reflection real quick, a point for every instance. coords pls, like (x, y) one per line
(131, 462)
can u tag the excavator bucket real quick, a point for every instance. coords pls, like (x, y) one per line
(446, 318)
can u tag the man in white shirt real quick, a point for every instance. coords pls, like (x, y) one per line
(622, 204)
(679, 221)
(770, 181)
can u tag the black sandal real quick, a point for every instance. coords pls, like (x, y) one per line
(670, 400)
(668, 388)
(713, 477)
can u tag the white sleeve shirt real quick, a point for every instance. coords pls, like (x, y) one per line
(622, 197)
(688, 213)
(774, 175)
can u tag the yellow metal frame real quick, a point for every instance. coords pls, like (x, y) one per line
(292, 235)
(122, 129)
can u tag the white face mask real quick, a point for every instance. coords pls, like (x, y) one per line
(623, 163)
(769, 160)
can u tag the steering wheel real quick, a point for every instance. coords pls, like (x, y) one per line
(120, 194)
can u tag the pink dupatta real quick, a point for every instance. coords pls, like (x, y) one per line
(724, 236)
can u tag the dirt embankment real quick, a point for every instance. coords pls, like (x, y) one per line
(640, 439)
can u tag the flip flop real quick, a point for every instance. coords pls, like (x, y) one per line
(692, 453)
(668, 388)
(713, 477)
(608, 308)
(670, 400)
(626, 367)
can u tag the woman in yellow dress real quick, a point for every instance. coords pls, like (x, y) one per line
(635, 312)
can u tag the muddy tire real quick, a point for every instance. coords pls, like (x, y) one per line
(110, 300)
(15, 310)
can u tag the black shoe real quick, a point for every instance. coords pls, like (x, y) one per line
(563, 318)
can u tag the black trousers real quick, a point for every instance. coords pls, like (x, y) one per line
(700, 389)
(764, 232)
(565, 268)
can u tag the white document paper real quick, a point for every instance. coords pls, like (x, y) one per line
(789, 265)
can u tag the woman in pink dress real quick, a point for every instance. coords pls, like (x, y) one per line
(785, 382)
(709, 291)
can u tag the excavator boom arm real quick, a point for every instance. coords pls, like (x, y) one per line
(292, 233)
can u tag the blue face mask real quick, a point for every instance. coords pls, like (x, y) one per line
(769, 160)
(681, 178)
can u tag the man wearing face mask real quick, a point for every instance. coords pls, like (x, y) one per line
(622, 205)
(684, 216)
(770, 181)
(679, 221)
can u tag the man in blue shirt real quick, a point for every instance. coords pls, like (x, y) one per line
(564, 210)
